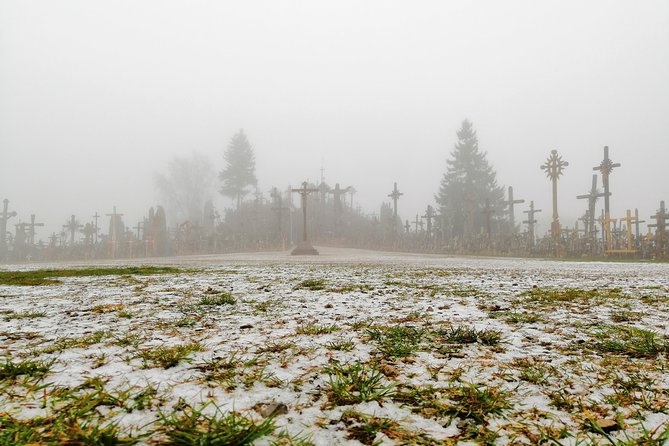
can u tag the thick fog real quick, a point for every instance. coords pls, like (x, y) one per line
(97, 97)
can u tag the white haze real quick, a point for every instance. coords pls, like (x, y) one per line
(95, 97)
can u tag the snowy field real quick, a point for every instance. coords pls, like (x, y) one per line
(348, 347)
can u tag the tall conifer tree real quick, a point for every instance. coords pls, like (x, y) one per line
(468, 182)
(240, 172)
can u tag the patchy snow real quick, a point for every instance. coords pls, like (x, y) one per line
(277, 342)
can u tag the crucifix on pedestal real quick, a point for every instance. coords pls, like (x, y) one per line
(554, 167)
(304, 247)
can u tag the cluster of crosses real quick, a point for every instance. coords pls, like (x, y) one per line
(554, 167)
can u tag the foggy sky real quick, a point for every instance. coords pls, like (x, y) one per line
(95, 97)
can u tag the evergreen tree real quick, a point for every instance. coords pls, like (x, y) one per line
(240, 170)
(187, 185)
(468, 182)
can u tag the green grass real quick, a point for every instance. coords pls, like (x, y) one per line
(352, 288)
(364, 428)
(168, 356)
(311, 285)
(397, 341)
(523, 317)
(217, 298)
(194, 427)
(341, 344)
(468, 335)
(30, 369)
(25, 315)
(578, 295)
(317, 329)
(356, 383)
(52, 276)
(630, 341)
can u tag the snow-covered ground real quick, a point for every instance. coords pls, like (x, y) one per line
(348, 347)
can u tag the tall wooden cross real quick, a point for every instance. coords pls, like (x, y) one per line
(113, 231)
(628, 219)
(395, 195)
(95, 227)
(279, 208)
(637, 221)
(304, 247)
(337, 194)
(429, 215)
(531, 221)
(31, 230)
(138, 228)
(607, 233)
(660, 224)
(510, 203)
(592, 197)
(418, 222)
(554, 167)
(606, 167)
(6, 215)
(72, 225)
(488, 211)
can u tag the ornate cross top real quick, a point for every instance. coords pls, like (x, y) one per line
(554, 167)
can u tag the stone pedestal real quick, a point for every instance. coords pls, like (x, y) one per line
(304, 249)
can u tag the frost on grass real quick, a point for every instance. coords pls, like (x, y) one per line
(384, 350)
